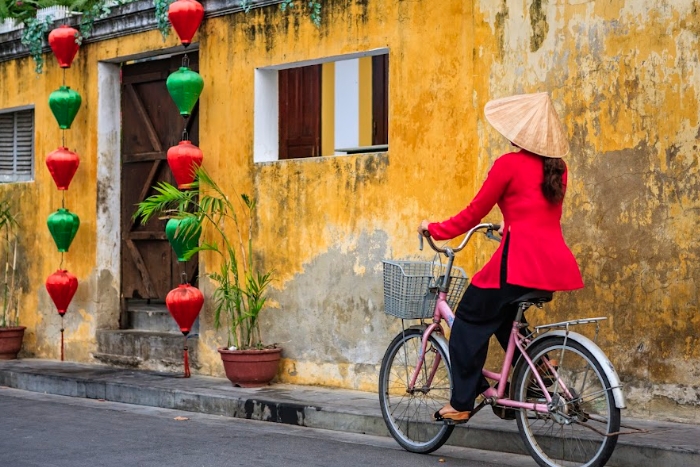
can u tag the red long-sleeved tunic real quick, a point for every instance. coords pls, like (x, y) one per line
(538, 256)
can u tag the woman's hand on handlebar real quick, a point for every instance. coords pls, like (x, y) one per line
(423, 228)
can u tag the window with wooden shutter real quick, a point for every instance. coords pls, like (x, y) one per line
(322, 107)
(17, 145)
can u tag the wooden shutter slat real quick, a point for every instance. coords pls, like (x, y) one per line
(16, 145)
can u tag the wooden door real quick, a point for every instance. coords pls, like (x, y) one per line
(300, 112)
(380, 99)
(151, 124)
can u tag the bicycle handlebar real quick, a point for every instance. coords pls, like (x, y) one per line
(490, 228)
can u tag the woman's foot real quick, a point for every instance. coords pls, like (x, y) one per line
(448, 413)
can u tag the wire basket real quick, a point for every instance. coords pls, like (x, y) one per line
(407, 284)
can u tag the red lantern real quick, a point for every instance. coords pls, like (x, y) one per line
(184, 303)
(62, 164)
(61, 286)
(62, 42)
(185, 16)
(183, 160)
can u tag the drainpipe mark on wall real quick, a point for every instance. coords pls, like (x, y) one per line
(538, 21)
(501, 18)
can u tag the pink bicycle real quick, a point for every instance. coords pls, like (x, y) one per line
(563, 391)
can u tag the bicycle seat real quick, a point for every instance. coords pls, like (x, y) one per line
(535, 297)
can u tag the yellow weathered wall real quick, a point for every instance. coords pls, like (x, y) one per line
(624, 78)
(327, 223)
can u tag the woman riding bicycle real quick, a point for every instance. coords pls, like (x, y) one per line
(529, 186)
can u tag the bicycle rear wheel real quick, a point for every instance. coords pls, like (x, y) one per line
(578, 429)
(408, 414)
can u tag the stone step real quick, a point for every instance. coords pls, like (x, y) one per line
(159, 351)
(145, 316)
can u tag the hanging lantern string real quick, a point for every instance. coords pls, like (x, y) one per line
(64, 76)
(185, 135)
(186, 360)
(61, 265)
(63, 138)
(184, 276)
(63, 199)
(185, 61)
(62, 338)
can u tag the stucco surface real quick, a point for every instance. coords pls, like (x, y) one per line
(623, 75)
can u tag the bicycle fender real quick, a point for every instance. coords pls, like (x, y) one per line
(439, 338)
(593, 348)
(444, 345)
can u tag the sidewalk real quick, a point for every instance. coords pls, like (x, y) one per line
(664, 444)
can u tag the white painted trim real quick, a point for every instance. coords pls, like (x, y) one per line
(108, 219)
(333, 58)
(347, 103)
(266, 116)
(17, 109)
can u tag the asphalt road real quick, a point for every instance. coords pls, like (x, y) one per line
(55, 431)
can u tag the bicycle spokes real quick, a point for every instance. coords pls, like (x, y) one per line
(408, 410)
(579, 426)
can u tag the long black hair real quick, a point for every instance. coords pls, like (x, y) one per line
(553, 185)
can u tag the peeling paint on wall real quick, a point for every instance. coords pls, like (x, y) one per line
(538, 22)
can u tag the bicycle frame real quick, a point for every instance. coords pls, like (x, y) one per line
(516, 340)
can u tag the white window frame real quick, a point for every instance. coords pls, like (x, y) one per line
(23, 176)
(266, 107)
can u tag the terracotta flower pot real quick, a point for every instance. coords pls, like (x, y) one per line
(251, 368)
(11, 342)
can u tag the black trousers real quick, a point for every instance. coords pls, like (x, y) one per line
(481, 313)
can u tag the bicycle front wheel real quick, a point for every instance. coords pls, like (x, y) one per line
(579, 428)
(408, 412)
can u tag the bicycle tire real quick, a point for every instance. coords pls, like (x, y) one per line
(577, 430)
(409, 415)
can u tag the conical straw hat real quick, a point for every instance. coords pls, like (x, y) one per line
(530, 122)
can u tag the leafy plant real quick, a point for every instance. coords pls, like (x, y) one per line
(162, 16)
(93, 10)
(240, 293)
(313, 6)
(8, 230)
(33, 34)
(36, 29)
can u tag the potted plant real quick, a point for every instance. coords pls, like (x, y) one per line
(239, 286)
(11, 333)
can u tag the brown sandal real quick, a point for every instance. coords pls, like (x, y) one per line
(454, 417)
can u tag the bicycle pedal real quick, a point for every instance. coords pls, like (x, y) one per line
(454, 422)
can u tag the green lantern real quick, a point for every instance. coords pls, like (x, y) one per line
(63, 226)
(184, 87)
(64, 103)
(183, 235)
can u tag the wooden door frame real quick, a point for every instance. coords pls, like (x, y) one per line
(107, 292)
(149, 127)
